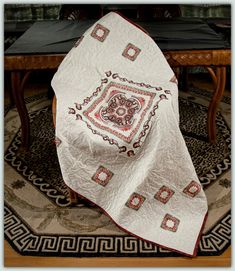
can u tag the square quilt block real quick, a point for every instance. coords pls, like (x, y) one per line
(164, 194)
(102, 176)
(135, 201)
(192, 189)
(170, 223)
(100, 32)
(131, 52)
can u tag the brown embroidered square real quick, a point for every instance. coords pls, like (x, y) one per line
(102, 176)
(135, 201)
(100, 32)
(192, 189)
(131, 52)
(170, 223)
(164, 194)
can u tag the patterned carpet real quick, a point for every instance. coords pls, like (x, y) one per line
(39, 219)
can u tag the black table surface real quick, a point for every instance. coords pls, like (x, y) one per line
(51, 37)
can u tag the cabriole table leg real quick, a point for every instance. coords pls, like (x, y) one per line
(211, 118)
(18, 95)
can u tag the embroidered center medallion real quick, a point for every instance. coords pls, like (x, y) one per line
(120, 110)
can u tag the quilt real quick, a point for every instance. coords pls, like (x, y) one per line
(118, 139)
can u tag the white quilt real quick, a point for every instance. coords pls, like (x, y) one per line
(118, 139)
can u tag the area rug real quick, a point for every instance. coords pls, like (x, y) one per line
(38, 217)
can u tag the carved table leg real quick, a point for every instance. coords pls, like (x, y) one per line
(219, 81)
(7, 86)
(73, 197)
(213, 76)
(18, 95)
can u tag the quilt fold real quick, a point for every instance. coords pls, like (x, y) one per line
(118, 139)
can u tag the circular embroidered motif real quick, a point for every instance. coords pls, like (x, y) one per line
(102, 176)
(170, 223)
(193, 189)
(131, 52)
(164, 194)
(121, 110)
(100, 32)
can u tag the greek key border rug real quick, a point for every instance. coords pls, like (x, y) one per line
(38, 217)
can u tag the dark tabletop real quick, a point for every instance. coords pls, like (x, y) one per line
(48, 37)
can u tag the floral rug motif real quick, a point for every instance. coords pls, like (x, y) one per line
(38, 217)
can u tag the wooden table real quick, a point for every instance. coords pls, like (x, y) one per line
(215, 60)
